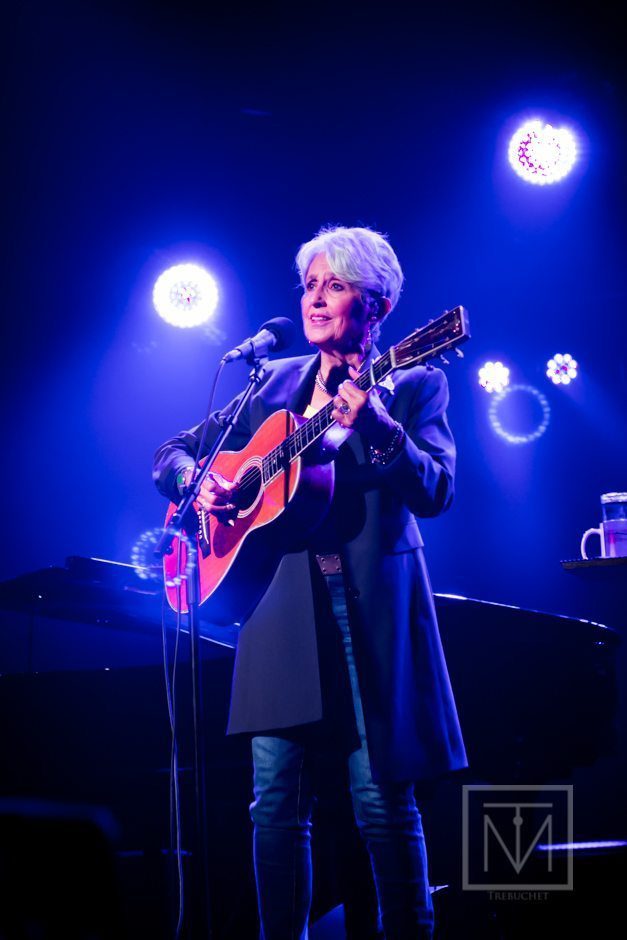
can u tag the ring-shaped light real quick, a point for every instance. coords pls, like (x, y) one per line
(510, 436)
(146, 566)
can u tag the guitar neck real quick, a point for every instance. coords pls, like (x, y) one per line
(300, 439)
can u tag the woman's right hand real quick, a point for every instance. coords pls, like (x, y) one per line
(217, 495)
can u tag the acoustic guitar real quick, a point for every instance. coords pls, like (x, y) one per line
(282, 492)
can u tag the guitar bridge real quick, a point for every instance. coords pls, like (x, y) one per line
(204, 540)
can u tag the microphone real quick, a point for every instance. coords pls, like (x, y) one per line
(273, 335)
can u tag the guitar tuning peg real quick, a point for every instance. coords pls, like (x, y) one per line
(444, 360)
(459, 353)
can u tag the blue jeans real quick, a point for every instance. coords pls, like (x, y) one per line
(386, 814)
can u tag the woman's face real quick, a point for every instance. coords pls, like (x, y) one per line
(334, 315)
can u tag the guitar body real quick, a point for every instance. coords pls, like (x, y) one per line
(273, 518)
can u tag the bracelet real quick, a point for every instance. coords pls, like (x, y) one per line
(385, 456)
(183, 480)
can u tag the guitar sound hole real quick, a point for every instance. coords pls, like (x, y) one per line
(249, 486)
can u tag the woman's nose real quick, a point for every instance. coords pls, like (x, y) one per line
(318, 298)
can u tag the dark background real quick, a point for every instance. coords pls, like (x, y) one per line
(138, 135)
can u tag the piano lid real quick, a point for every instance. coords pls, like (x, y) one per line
(114, 594)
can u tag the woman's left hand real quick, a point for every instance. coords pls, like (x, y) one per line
(363, 412)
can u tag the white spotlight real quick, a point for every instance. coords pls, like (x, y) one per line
(540, 153)
(185, 295)
(562, 369)
(493, 376)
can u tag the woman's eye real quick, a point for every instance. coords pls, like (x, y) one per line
(335, 285)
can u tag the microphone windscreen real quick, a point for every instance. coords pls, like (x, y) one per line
(283, 329)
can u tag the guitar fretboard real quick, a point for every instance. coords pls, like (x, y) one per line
(300, 439)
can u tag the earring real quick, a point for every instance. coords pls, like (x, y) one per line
(369, 339)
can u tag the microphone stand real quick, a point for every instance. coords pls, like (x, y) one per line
(163, 547)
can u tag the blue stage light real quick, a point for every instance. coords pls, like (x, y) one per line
(562, 369)
(185, 295)
(493, 376)
(146, 566)
(582, 846)
(513, 437)
(540, 153)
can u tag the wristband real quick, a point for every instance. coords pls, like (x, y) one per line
(385, 456)
(183, 478)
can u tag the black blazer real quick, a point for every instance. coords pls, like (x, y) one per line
(411, 721)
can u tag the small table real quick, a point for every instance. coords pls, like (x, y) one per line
(595, 564)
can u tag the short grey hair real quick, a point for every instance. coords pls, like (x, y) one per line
(359, 256)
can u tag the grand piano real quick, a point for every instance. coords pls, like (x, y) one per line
(85, 722)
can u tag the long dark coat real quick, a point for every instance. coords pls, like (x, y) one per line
(411, 721)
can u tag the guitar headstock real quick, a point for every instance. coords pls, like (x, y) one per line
(446, 332)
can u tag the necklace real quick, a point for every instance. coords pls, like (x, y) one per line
(320, 383)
